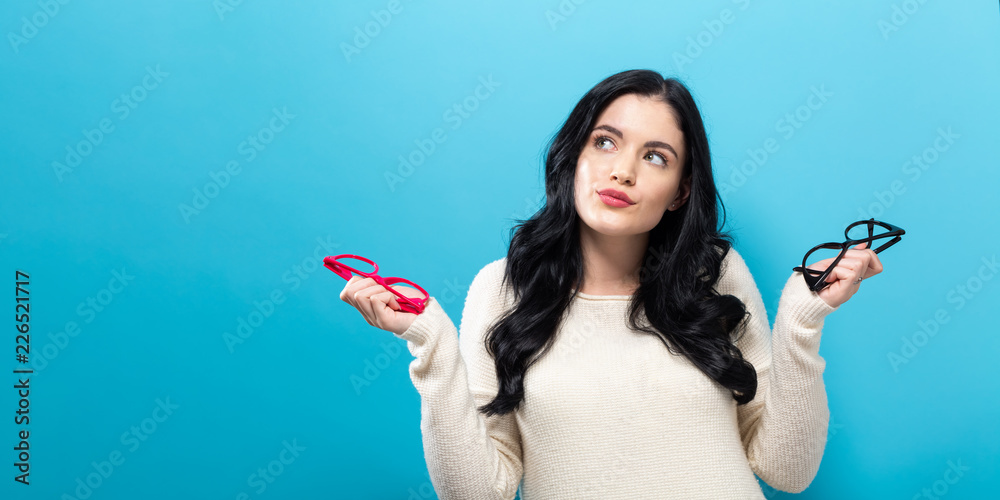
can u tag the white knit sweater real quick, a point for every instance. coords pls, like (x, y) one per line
(609, 413)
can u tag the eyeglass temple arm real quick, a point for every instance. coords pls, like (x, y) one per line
(888, 244)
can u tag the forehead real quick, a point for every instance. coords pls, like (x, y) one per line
(644, 117)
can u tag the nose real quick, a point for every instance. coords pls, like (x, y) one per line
(622, 171)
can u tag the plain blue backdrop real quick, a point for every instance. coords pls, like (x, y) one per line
(174, 172)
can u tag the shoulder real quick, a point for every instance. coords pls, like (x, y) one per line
(734, 274)
(732, 260)
(492, 270)
(487, 283)
(483, 304)
(490, 275)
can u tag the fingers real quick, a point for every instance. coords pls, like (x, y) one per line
(820, 265)
(875, 265)
(387, 299)
(385, 306)
(348, 288)
(866, 256)
(356, 294)
(851, 269)
(845, 278)
(364, 303)
(407, 291)
(372, 300)
(841, 273)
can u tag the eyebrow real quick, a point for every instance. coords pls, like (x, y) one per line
(649, 144)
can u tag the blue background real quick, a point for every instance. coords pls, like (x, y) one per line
(895, 75)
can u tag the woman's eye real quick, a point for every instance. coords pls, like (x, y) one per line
(601, 141)
(656, 158)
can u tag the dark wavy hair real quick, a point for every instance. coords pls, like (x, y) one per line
(680, 266)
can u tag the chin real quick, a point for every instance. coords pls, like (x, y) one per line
(610, 229)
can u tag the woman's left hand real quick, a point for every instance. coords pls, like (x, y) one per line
(859, 263)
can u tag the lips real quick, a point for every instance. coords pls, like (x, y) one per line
(616, 194)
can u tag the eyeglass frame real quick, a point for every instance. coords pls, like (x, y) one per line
(413, 305)
(817, 283)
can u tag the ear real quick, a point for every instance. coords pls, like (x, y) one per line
(684, 193)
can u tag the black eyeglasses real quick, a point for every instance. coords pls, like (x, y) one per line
(877, 230)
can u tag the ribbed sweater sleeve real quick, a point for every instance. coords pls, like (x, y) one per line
(784, 427)
(468, 455)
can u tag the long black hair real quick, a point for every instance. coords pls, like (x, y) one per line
(680, 266)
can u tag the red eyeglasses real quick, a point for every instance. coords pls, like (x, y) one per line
(342, 265)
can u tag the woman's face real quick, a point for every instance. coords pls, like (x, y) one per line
(635, 148)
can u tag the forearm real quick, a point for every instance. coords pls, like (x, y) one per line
(790, 438)
(463, 459)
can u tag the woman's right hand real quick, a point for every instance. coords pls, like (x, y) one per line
(378, 305)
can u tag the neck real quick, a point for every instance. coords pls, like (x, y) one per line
(611, 263)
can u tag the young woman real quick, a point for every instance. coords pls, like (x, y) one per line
(621, 349)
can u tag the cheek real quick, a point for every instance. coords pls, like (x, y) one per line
(586, 170)
(583, 176)
(664, 195)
